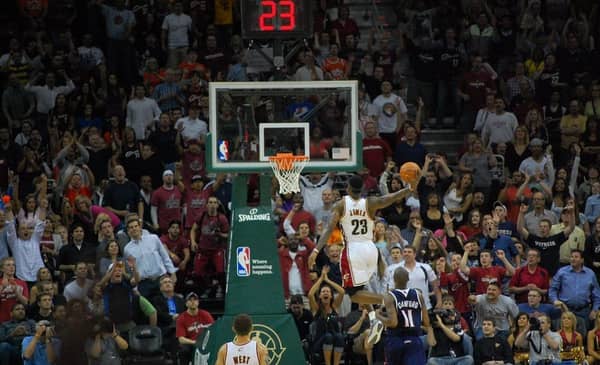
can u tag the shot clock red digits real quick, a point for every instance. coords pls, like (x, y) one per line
(276, 19)
(285, 10)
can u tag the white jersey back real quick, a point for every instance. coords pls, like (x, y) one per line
(356, 223)
(246, 354)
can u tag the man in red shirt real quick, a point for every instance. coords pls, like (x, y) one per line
(301, 215)
(178, 248)
(196, 195)
(474, 86)
(209, 239)
(487, 273)
(376, 151)
(288, 255)
(457, 284)
(345, 25)
(165, 203)
(12, 290)
(532, 276)
(190, 325)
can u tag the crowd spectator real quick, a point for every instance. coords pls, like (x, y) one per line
(190, 324)
(150, 256)
(584, 300)
(493, 303)
(545, 344)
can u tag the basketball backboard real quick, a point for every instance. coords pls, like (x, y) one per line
(250, 121)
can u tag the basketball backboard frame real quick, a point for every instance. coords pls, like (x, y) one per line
(263, 127)
(352, 163)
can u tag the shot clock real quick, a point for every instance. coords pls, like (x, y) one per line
(276, 19)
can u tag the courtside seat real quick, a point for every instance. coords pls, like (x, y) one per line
(145, 347)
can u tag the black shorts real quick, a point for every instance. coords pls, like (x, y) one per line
(351, 291)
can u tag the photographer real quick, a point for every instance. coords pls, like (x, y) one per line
(544, 345)
(103, 348)
(42, 347)
(447, 347)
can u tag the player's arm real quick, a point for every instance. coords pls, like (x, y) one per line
(425, 323)
(263, 355)
(222, 353)
(389, 318)
(424, 314)
(336, 214)
(376, 203)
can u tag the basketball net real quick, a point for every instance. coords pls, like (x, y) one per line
(287, 168)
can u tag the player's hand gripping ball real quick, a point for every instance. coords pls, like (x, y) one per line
(410, 173)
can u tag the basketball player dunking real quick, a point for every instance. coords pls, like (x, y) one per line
(405, 313)
(242, 350)
(358, 263)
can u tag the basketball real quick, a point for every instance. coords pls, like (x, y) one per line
(410, 172)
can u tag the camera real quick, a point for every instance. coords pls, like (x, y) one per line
(448, 316)
(534, 324)
(102, 326)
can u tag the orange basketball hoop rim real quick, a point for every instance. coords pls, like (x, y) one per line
(287, 168)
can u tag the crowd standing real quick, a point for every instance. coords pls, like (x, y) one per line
(105, 226)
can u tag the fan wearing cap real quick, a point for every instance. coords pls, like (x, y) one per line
(505, 227)
(166, 203)
(190, 324)
(194, 200)
(495, 242)
(192, 159)
(196, 197)
(356, 215)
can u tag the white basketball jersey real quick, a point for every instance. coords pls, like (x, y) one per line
(246, 354)
(356, 223)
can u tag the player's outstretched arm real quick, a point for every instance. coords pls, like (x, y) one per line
(376, 203)
(222, 353)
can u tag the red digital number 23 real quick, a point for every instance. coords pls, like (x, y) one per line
(265, 21)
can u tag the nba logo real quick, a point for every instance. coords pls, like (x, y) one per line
(223, 150)
(243, 261)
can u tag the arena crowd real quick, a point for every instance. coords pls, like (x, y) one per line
(109, 220)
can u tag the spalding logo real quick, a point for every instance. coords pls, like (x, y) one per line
(254, 216)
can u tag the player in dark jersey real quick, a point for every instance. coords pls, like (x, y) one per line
(405, 314)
